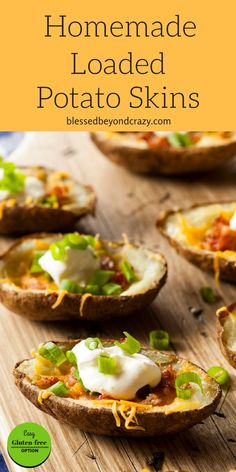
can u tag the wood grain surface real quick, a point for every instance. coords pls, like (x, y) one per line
(128, 204)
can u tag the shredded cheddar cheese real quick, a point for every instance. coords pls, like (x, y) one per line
(6, 204)
(193, 234)
(28, 200)
(84, 298)
(41, 245)
(115, 414)
(59, 299)
(43, 395)
(127, 410)
(182, 406)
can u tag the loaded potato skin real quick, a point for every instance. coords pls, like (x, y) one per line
(203, 235)
(37, 297)
(46, 200)
(95, 414)
(147, 155)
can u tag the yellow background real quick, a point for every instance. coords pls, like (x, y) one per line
(205, 63)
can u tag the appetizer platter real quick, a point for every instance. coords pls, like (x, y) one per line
(127, 204)
(35, 198)
(226, 331)
(162, 152)
(116, 388)
(74, 276)
(205, 235)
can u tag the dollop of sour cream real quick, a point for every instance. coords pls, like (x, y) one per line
(133, 371)
(77, 265)
(232, 223)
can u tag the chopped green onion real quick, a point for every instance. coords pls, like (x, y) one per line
(71, 358)
(128, 271)
(112, 289)
(93, 343)
(107, 365)
(13, 180)
(75, 241)
(70, 286)
(58, 250)
(219, 374)
(179, 140)
(208, 295)
(184, 379)
(35, 267)
(159, 339)
(52, 352)
(101, 277)
(59, 389)
(76, 374)
(93, 289)
(91, 240)
(130, 345)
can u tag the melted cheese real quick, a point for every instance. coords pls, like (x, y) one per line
(127, 410)
(6, 204)
(59, 299)
(43, 395)
(183, 405)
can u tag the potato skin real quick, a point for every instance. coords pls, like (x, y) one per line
(172, 161)
(204, 261)
(38, 305)
(100, 420)
(20, 218)
(222, 315)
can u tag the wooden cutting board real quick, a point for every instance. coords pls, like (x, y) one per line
(128, 204)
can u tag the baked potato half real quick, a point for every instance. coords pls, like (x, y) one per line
(34, 199)
(167, 152)
(226, 332)
(205, 235)
(73, 276)
(63, 385)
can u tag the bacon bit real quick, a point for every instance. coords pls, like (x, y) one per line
(154, 141)
(220, 237)
(164, 393)
(61, 191)
(46, 382)
(120, 279)
(71, 381)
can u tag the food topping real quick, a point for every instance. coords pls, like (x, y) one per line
(219, 374)
(115, 372)
(35, 185)
(217, 234)
(159, 339)
(220, 236)
(117, 376)
(208, 295)
(232, 223)
(77, 264)
(167, 139)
